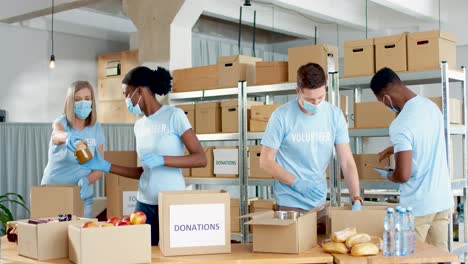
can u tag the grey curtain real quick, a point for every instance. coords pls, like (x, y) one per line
(23, 155)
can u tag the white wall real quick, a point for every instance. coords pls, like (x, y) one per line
(30, 91)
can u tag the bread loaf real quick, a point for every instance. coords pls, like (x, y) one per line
(365, 249)
(333, 247)
(357, 239)
(377, 241)
(342, 235)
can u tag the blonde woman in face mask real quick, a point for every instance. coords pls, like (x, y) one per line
(78, 122)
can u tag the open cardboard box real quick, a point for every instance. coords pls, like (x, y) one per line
(115, 244)
(369, 220)
(45, 241)
(283, 236)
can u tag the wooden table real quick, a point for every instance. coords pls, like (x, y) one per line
(240, 253)
(425, 253)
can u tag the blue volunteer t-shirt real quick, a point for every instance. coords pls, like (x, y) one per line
(419, 127)
(62, 166)
(305, 145)
(161, 134)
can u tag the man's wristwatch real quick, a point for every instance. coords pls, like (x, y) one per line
(357, 198)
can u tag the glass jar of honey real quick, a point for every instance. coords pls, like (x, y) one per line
(82, 152)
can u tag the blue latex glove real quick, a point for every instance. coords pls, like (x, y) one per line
(71, 142)
(384, 173)
(86, 190)
(152, 161)
(357, 207)
(97, 163)
(307, 189)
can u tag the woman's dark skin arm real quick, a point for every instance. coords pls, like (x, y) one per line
(196, 158)
(127, 172)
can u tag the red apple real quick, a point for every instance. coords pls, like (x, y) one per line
(122, 223)
(89, 224)
(107, 224)
(138, 218)
(113, 220)
(126, 219)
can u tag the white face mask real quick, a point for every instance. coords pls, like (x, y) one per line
(134, 109)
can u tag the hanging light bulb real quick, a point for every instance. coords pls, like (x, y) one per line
(52, 61)
(52, 57)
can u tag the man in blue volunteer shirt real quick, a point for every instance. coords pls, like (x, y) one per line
(417, 136)
(298, 144)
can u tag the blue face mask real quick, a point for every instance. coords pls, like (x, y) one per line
(311, 108)
(83, 109)
(134, 109)
(391, 108)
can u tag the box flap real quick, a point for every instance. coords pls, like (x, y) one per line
(207, 105)
(230, 103)
(359, 43)
(271, 64)
(390, 39)
(262, 203)
(226, 59)
(433, 34)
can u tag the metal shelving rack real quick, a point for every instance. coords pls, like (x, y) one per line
(444, 77)
(242, 93)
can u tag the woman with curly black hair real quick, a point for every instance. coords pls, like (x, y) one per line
(161, 134)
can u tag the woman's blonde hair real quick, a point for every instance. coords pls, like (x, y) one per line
(69, 109)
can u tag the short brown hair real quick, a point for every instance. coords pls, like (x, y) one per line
(311, 76)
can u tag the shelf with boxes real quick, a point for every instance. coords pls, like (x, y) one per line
(417, 58)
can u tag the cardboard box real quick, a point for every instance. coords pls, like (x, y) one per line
(262, 205)
(117, 244)
(372, 115)
(271, 72)
(45, 241)
(189, 110)
(369, 220)
(116, 186)
(455, 109)
(254, 164)
(226, 162)
(391, 52)
(208, 170)
(208, 118)
(194, 222)
(52, 200)
(283, 236)
(114, 112)
(232, 69)
(109, 89)
(427, 49)
(195, 79)
(230, 115)
(235, 213)
(366, 163)
(317, 54)
(260, 116)
(359, 58)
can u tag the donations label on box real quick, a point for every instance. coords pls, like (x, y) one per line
(197, 225)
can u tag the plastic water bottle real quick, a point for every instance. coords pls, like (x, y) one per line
(389, 234)
(412, 230)
(402, 233)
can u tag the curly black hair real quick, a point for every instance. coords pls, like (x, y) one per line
(158, 81)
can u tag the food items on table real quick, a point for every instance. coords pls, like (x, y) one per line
(364, 249)
(343, 235)
(334, 247)
(377, 241)
(357, 239)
